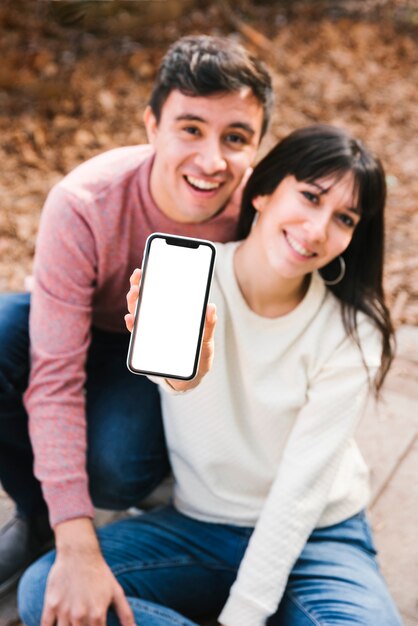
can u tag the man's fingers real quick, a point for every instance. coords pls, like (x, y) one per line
(122, 608)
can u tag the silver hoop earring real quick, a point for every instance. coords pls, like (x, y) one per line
(340, 275)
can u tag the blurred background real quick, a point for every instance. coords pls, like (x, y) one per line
(75, 77)
(74, 80)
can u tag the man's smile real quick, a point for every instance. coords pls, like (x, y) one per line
(200, 184)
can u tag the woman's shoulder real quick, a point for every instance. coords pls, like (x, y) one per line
(362, 345)
(225, 250)
(224, 272)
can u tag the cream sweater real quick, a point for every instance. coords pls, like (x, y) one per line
(266, 439)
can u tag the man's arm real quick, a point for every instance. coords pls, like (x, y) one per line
(81, 586)
(60, 321)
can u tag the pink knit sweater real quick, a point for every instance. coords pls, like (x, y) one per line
(92, 235)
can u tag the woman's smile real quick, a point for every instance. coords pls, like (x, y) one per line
(300, 249)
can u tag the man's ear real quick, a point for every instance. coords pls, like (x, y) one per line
(151, 124)
(259, 202)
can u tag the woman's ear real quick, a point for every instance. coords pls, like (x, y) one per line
(151, 124)
(259, 202)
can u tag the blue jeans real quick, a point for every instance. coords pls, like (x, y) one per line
(123, 419)
(165, 559)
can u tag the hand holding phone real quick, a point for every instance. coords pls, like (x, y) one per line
(171, 311)
(207, 354)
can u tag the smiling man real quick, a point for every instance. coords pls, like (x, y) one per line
(203, 145)
(96, 432)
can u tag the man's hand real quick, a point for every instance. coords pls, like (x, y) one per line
(206, 357)
(81, 586)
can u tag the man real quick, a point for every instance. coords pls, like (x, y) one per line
(209, 108)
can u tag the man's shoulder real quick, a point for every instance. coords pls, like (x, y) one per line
(106, 170)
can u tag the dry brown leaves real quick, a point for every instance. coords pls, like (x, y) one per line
(67, 94)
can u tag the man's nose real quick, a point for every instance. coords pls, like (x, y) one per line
(211, 158)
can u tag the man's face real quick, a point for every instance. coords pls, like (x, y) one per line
(203, 147)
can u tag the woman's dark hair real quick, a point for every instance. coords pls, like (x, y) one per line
(202, 65)
(322, 151)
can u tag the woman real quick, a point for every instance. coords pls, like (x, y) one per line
(268, 522)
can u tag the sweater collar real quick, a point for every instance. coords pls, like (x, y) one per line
(305, 310)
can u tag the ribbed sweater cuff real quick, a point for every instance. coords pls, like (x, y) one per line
(67, 500)
(240, 611)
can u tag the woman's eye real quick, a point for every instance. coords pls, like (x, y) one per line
(347, 220)
(191, 130)
(312, 197)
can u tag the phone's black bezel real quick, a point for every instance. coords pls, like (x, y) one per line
(188, 242)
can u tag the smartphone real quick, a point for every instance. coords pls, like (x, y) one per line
(171, 309)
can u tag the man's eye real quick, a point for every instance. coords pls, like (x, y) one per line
(236, 139)
(312, 197)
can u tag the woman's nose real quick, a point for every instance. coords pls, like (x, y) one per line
(317, 228)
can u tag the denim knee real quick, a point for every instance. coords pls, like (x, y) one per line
(107, 483)
(31, 591)
(14, 340)
(115, 485)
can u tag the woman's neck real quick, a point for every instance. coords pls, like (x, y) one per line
(266, 293)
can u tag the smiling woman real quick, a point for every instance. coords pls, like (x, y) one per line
(335, 197)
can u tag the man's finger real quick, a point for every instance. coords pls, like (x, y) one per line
(96, 620)
(122, 608)
(48, 617)
(77, 621)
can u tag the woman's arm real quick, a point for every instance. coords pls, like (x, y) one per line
(300, 491)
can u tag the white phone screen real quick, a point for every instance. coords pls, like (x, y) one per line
(171, 306)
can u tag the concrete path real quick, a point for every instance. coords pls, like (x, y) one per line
(388, 436)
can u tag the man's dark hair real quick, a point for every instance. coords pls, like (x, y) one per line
(203, 65)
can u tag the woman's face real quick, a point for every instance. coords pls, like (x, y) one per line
(303, 226)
